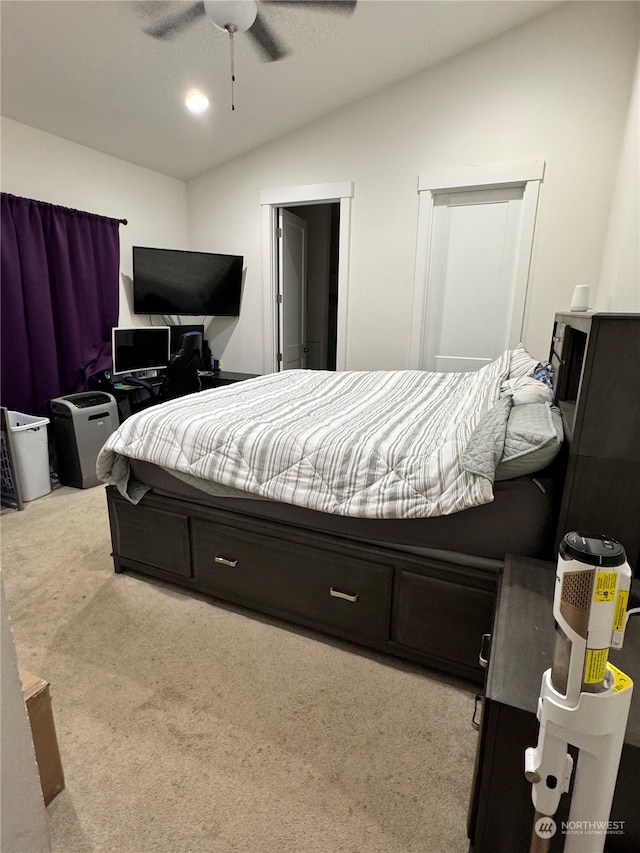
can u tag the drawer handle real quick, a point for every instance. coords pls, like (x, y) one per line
(475, 721)
(225, 562)
(345, 595)
(483, 657)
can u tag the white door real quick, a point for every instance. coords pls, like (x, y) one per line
(471, 278)
(475, 238)
(292, 285)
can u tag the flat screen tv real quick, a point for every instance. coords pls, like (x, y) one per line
(171, 281)
(140, 348)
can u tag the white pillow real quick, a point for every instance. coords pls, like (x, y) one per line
(521, 363)
(526, 389)
(532, 441)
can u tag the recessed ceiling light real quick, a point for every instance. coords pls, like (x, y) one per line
(197, 102)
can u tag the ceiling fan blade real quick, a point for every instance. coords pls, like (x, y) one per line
(266, 41)
(334, 7)
(172, 26)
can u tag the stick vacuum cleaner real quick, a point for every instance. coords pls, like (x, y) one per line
(584, 699)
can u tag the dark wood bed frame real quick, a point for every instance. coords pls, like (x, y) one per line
(427, 606)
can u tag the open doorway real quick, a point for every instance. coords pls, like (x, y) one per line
(325, 325)
(308, 255)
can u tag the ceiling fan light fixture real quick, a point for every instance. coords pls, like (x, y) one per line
(240, 14)
(196, 102)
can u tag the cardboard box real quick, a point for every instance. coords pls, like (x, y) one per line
(43, 731)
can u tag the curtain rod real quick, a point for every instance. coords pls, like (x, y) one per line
(62, 207)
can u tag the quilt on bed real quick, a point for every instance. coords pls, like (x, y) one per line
(370, 444)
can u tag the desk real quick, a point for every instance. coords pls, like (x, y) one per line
(223, 377)
(501, 811)
(124, 387)
(133, 398)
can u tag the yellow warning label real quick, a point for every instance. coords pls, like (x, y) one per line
(605, 586)
(595, 665)
(621, 609)
(621, 681)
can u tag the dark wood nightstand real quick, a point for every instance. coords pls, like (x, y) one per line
(501, 811)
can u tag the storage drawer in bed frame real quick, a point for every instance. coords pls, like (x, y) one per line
(136, 532)
(402, 601)
(324, 586)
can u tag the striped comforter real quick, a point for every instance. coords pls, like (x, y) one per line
(374, 444)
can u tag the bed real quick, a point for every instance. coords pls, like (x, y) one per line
(374, 506)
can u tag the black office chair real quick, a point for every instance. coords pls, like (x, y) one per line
(182, 372)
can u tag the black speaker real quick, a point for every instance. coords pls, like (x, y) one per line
(101, 381)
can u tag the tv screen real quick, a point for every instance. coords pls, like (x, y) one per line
(140, 348)
(171, 281)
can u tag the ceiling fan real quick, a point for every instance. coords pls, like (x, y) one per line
(243, 16)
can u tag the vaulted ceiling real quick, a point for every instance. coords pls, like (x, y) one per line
(88, 72)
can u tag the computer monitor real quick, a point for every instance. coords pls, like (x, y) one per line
(140, 348)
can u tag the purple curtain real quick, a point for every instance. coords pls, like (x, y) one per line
(59, 300)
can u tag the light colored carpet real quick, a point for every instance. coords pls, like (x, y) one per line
(191, 727)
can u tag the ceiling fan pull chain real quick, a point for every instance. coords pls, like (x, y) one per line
(230, 28)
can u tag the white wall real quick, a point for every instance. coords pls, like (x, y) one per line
(41, 166)
(619, 288)
(556, 89)
(22, 816)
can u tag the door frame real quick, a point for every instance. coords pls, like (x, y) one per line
(270, 201)
(528, 174)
